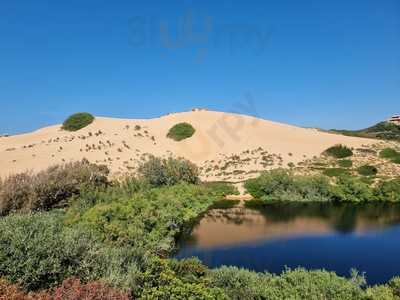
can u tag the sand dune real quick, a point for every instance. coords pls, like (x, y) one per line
(218, 137)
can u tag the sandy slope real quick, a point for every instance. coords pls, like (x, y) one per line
(218, 136)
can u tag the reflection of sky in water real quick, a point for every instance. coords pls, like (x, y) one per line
(334, 237)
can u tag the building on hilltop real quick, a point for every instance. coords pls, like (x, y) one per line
(395, 120)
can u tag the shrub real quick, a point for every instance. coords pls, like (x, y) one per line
(181, 131)
(367, 170)
(158, 172)
(394, 284)
(292, 284)
(77, 121)
(389, 153)
(49, 188)
(352, 189)
(339, 151)
(345, 163)
(335, 172)
(281, 185)
(388, 190)
(36, 253)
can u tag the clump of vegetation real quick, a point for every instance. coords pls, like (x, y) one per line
(345, 163)
(282, 185)
(339, 151)
(49, 188)
(335, 172)
(367, 170)
(77, 121)
(158, 171)
(181, 131)
(382, 130)
(390, 154)
(241, 284)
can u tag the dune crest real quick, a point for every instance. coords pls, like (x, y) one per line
(219, 138)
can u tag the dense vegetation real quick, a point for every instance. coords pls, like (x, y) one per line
(282, 185)
(390, 154)
(77, 121)
(181, 131)
(339, 151)
(382, 130)
(101, 239)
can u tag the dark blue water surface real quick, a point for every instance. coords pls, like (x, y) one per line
(315, 236)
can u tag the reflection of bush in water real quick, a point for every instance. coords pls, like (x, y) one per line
(343, 216)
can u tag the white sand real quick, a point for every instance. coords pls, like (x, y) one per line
(217, 135)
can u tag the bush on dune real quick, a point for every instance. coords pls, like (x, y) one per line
(367, 170)
(181, 131)
(339, 151)
(77, 121)
(49, 188)
(158, 171)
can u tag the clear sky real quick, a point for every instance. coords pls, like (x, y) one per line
(331, 64)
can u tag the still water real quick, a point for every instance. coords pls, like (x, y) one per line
(335, 237)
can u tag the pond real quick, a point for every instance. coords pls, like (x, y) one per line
(334, 237)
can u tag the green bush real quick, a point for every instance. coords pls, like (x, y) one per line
(389, 153)
(367, 170)
(339, 151)
(241, 284)
(352, 189)
(181, 131)
(36, 252)
(335, 172)
(345, 163)
(49, 188)
(77, 121)
(388, 190)
(158, 171)
(281, 185)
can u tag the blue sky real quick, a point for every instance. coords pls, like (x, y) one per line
(331, 64)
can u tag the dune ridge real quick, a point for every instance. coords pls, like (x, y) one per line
(123, 143)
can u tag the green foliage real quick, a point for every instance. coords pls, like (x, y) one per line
(281, 185)
(367, 170)
(335, 172)
(222, 187)
(388, 190)
(49, 188)
(158, 171)
(339, 151)
(381, 292)
(181, 131)
(390, 154)
(36, 252)
(382, 130)
(149, 220)
(241, 284)
(77, 121)
(352, 189)
(345, 163)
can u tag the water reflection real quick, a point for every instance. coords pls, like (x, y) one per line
(314, 235)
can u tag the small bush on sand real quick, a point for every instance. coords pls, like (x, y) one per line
(181, 131)
(77, 121)
(335, 172)
(339, 151)
(345, 163)
(391, 154)
(158, 171)
(49, 188)
(367, 170)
